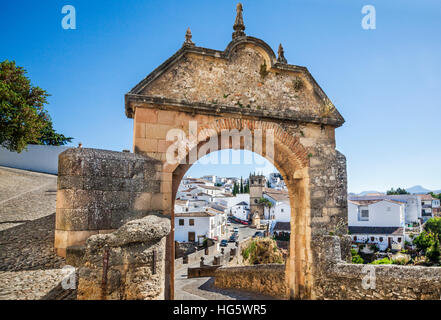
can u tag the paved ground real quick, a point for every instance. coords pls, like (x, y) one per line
(203, 288)
(29, 269)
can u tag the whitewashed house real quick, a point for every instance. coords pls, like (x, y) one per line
(228, 200)
(276, 181)
(241, 210)
(181, 206)
(220, 222)
(280, 210)
(380, 222)
(210, 178)
(429, 206)
(194, 226)
(279, 228)
(412, 204)
(211, 190)
(187, 193)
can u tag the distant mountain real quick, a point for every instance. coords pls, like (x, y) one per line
(418, 190)
(413, 190)
(364, 193)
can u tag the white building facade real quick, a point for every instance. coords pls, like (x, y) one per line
(280, 209)
(379, 222)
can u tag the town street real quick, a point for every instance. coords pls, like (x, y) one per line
(203, 288)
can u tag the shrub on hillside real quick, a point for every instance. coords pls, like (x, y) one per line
(356, 257)
(262, 251)
(382, 261)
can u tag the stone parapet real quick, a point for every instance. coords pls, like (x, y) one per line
(267, 279)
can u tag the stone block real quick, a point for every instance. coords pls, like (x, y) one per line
(142, 201)
(146, 115)
(140, 129)
(146, 144)
(99, 219)
(72, 219)
(166, 117)
(157, 131)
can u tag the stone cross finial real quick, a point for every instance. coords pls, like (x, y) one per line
(188, 37)
(281, 55)
(239, 26)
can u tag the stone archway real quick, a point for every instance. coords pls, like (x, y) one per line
(247, 87)
(244, 87)
(290, 158)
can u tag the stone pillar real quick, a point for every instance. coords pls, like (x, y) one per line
(127, 264)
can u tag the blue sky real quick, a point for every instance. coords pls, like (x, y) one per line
(385, 82)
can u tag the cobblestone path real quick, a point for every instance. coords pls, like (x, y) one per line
(29, 268)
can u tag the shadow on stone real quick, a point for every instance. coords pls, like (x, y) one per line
(234, 294)
(29, 246)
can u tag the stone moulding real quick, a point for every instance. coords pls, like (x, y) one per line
(208, 108)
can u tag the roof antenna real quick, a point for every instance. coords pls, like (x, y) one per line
(239, 26)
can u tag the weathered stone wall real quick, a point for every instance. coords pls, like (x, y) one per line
(100, 190)
(268, 279)
(126, 264)
(205, 271)
(334, 278)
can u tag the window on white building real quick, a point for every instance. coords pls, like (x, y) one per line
(364, 215)
(181, 222)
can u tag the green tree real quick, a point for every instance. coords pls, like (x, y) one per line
(235, 189)
(428, 241)
(434, 225)
(246, 189)
(434, 195)
(433, 252)
(23, 119)
(397, 191)
(424, 240)
(50, 137)
(265, 202)
(241, 185)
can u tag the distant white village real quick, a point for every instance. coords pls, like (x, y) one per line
(205, 206)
